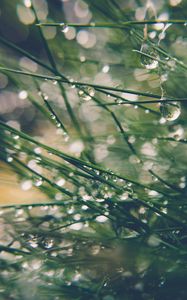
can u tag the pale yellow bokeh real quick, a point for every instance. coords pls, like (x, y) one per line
(11, 192)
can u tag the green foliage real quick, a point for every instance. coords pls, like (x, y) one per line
(106, 146)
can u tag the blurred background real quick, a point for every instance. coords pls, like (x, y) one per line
(73, 249)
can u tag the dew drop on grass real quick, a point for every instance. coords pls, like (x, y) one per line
(124, 196)
(38, 182)
(15, 137)
(86, 93)
(33, 242)
(105, 69)
(45, 96)
(64, 27)
(9, 159)
(60, 182)
(27, 3)
(37, 150)
(164, 210)
(48, 243)
(76, 226)
(101, 219)
(148, 62)
(82, 58)
(23, 95)
(66, 137)
(182, 185)
(170, 111)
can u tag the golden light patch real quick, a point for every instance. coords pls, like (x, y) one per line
(11, 191)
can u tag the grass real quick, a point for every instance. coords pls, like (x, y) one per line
(110, 163)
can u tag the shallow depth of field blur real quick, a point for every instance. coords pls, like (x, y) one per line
(102, 243)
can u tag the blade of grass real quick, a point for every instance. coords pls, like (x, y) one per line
(120, 25)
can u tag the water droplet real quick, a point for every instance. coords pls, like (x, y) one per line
(9, 159)
(164, 210)
(45, 97)
(15, 137)
(182, 185)
(170, 111)
(118, 101)
(60, 182)
(23, 95)
(105, 69)
(38, 182)
(86, 93)
(124, 196)
(33, 241)
(53, 117)
(65, 27)
(171, 64)
(84, 207)
(82, 58)
(142, 210)
(149, 62)
(37, 150)
(76, 226)
(66, 137)
(27, 3)
(131, 139)
(161, 283)
(101, 219)
(48, 243)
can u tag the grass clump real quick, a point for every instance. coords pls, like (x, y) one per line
(93, 126)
